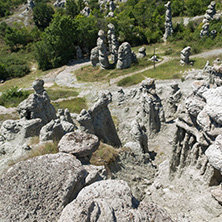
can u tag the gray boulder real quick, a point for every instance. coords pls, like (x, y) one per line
(52, 131)
(214, 153)
(38, 189)
(94, 56)
(124, 56)
(86, 11)
(79, 143)
(37, 105)
(142, 52)
(110, 200)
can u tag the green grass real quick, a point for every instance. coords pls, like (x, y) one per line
(131, 80)
(57, 92)
(168, 70)
(74, 105)
(94, 74)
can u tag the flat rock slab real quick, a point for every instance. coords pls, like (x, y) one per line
(79, 143)
(39, 188)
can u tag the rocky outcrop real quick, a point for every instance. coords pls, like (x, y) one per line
(142, 52)
(52, 131)
(97, 120)
(205, 30)
(80, 144)
(168, 22)
(94, 56)
(113, 43)
(110, 200)
(185, 56)
(38, 189)
(197, 128)
(103, 58)
(124, 56)
(37, 105)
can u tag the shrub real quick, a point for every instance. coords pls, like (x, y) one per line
(13, 96)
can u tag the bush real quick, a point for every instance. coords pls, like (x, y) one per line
(3, 72)
(12, 97)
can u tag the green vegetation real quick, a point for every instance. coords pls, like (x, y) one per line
(13, 96)
(74, 105)
(93, 74)
(131, 80)
(57, 92)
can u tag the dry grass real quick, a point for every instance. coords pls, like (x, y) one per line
(104, 155)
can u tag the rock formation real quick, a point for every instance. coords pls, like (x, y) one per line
(110, 200)
(168, 22)
(184, 56)
(78, 52)
(173, 100)
(94, 56)
(60, 3)
(112, 6)
(52, 131)
(86, 11)
(103, 58)
(37, 105)
(197, 128)
(124, 56)
(79, 143)
(211, 11)
(38, 189)
(113, 43)
(142, 52)
(97, 120)
(31, 4)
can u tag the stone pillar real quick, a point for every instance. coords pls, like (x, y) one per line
(184, 56)
(168, 22)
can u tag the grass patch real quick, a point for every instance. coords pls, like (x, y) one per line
(74, 105)
(12, 116)
(13, 96)
(57, 92)
(94, 74)
(104, 155)
(131, 80)
(46, 148)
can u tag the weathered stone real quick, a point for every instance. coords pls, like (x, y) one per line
(52, 131)
(110, 200)
(60, 3)
(94, 56)
(205, 30)
(113, 43)
(78, 52)
(97, 120)
(112, 6)
(168, 22)
(31, 4)
(86, 11)
(214, 153)
(184, 56)
(79, 143)
(142, 52)
(38, 189)
(103, 58)
(124, 56)
(37, 105)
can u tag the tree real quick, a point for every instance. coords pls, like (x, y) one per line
(57, 46)
(3, 72)
(42, 15)
(72, 8)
